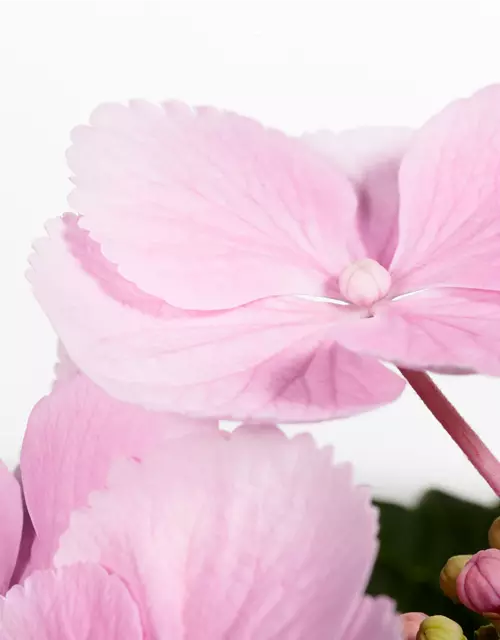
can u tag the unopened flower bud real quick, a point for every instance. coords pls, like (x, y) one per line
(449, 574)
(494, 534)
(486, 632)
(411, 624)
(478, 585)
(440, 628)
(364, 282)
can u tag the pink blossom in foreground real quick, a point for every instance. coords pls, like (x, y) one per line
(190, 281)
(72, 438)
(193, 535)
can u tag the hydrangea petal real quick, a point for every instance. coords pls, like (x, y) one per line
(250, 536)
(11, 525)
(78, 602)
(458, 328)
(65, 368)
(273, 359)
(376, 619)
(370, 157)
(73, 435)
(209, 210)
(450, 191)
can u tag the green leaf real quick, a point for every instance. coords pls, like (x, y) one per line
(415, 544)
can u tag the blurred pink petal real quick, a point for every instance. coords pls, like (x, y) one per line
(73, 436)
(375, 619)
(253, 536)
(209, 209)
(27, 538)
(442, 328)
(23, 563)
(11, 525)
(65, 368)
(274, 359)
(450, 190)
(370, 157)
(74, 603)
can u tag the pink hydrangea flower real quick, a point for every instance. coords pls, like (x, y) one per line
(194, 535)
(221, 268)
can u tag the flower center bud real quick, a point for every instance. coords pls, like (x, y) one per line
(364, 282)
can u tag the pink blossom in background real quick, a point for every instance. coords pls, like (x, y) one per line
(193, 534)
(191, 280)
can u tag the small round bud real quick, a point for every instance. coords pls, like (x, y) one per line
(449, 574)
(440, 628)
(364, 282)
(411, 624)
(494, 534)
(478, 585)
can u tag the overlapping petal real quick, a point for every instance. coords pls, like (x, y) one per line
(375, 619)
(370, 157)
(76, 603)
(251, 536)
(11, 525)
(72, 438)
(449, 227)
(274, 359)
(448, 327)
(208, 209)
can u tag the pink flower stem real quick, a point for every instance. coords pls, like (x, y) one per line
(464, 436)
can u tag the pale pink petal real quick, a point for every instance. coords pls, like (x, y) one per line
(23, 564)
(11, 524)
(81, 602)
(253, 536)
(457, 328)
(370, 157)
(73, 435)
(209, 210)
(273, 359)
(27, 538)
(450, 193)
(375, 619)
(65, 368)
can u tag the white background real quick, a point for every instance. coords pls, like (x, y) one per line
(295, 65)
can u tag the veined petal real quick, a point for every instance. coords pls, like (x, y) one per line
(376, 619)
(72, 438)
(273, 359)
(209, 210)
(449, 229)
(250, 536)
(78, 602)
(370, 157)
(451, 328)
